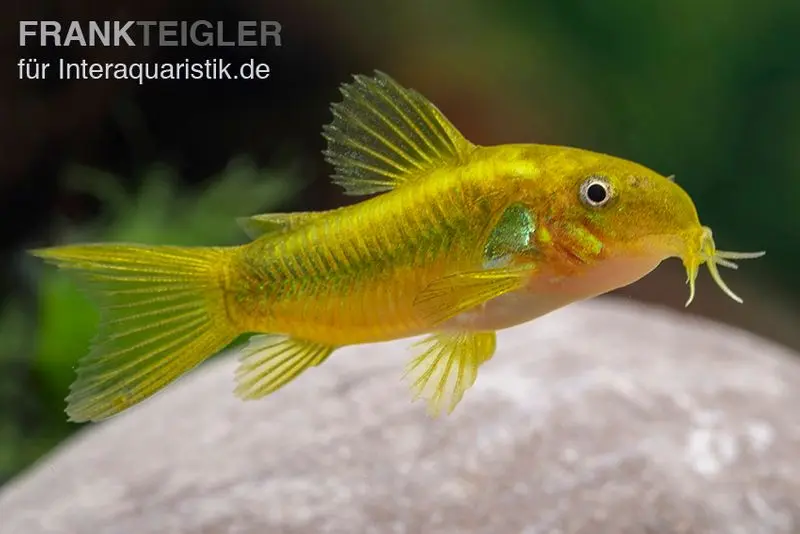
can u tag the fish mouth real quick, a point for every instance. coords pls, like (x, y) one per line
(701, 249)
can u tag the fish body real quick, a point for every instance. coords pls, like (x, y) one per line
(457, 241)
(380, 254)
(325, 280)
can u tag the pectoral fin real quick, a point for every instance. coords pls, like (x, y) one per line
(270, 362)
(450, 295)
(449, 367)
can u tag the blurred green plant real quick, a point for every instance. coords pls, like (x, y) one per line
(161, 211)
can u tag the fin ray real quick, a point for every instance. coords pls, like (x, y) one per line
(444, 371)
(269, 362)
(383, 135)
(453, 294)
(159, 318)
(378, 137)
(402, 135)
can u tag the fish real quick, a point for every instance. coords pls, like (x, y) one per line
(452, 242)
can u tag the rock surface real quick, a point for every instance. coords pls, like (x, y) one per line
(604, 417)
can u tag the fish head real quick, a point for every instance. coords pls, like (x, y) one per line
(607, 210)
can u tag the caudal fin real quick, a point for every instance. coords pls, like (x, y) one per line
(161, 314)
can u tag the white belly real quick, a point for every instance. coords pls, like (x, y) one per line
(545, 293)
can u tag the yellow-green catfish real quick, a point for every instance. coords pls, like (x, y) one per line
(458, 241)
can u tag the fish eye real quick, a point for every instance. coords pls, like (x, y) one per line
(595, 192)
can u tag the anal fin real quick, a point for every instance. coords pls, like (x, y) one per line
(449, 367)
(269, 362)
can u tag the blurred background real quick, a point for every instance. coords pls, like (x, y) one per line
(708, 90)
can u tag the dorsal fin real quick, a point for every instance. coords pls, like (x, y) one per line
(383, 135)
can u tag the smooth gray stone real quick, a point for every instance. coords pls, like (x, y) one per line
(604, 417)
